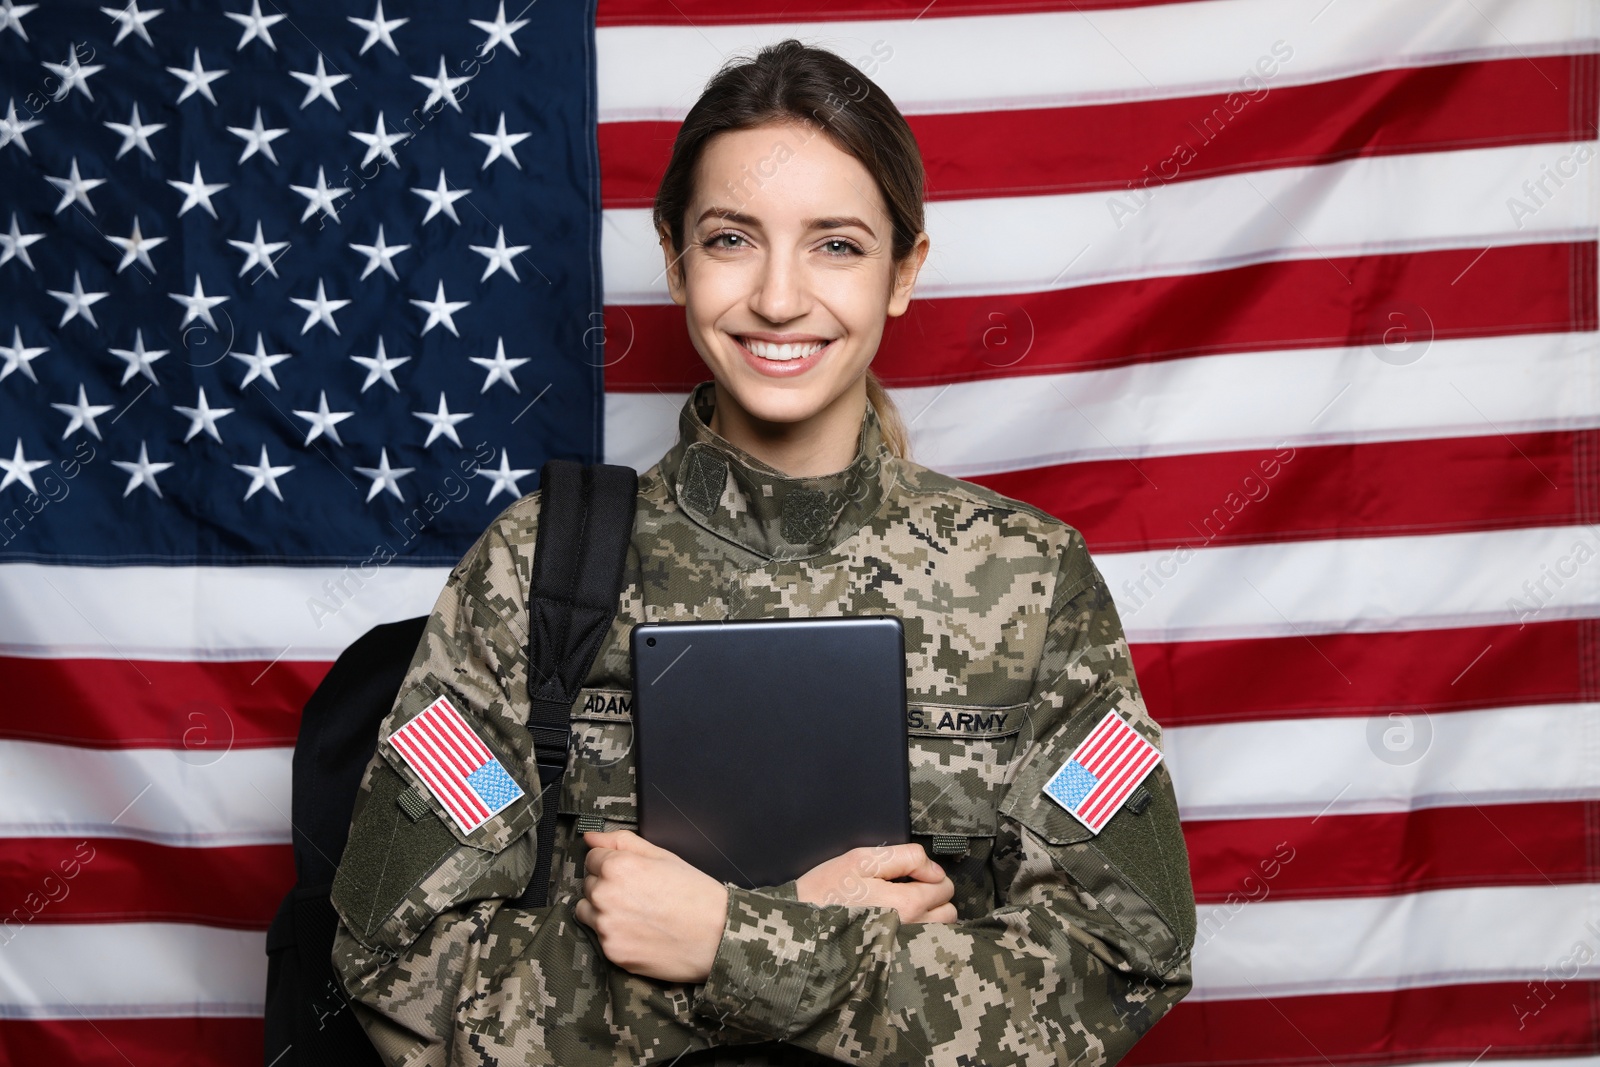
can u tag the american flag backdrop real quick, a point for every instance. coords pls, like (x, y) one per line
(1289, 305)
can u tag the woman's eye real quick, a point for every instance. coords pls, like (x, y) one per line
(711, 242)
(846, 248)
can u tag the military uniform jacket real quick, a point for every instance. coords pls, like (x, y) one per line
(1070, 945)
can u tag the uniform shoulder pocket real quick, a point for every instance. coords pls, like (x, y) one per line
(409, 856)
(1137, 866)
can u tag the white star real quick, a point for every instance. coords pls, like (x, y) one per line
(378, 29)
(136, 246)
(380, 142)
(141, 471)
(441, 198)
(74, 187)
(17, 356)
(73, 75)
(318, 84)
(131, 20)
(379, 254)
(441, 87)
(320, 197)
(11, 17)
(260, 363)
(138, 359)
(501, 143)
(197, 305)
(319, 309)
(196, 79)
(14, 245)
(441, 422)
(202, 417)
(499, 31)
(324, 421)
(82, 414)
(499, 367)
(380, 368)
(384, 477)
(259, 252)
(136, 134)
(263, 473)
(257, 138)
(19, 469)
(197, 192)
(499, 256)
(12, 129)
(504, 478)
(441, 310)
(77, 303)
(255, 25)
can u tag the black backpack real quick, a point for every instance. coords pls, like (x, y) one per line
(585, 525)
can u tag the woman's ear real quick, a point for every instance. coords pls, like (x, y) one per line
(676, 283)
(905, 275)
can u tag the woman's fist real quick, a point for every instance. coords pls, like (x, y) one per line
(865, 876)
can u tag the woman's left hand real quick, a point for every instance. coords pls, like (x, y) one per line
(655, 914)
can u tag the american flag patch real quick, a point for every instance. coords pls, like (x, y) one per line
(1102, 771)
(455, 765)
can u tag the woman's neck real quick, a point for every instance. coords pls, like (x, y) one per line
(823, 444)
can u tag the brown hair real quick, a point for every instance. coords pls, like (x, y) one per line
(791, 81)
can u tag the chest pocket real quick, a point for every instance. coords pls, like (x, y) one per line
(600, 785)
(961, 758)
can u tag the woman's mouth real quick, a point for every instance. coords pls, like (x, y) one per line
(782, 361)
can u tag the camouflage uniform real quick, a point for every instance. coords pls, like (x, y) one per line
(1070, 945)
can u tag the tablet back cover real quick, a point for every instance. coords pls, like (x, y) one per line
(764, 747)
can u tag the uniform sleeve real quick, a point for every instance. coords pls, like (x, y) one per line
(439, 967)
(1088, 947)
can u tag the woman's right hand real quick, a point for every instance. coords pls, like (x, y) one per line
(865, 876)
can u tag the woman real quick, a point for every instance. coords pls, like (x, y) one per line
(790, 219)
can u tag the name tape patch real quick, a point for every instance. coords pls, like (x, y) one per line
(1101, 772)
(455, 765)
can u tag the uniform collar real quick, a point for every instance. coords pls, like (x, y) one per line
(741, 499)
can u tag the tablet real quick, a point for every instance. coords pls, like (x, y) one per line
(764, 747)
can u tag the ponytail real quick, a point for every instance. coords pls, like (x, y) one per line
(889, 421)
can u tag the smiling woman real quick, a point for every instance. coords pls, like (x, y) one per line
(1042, 912)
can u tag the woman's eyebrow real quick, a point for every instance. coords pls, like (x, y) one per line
(833, 222)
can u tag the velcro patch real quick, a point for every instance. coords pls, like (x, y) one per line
(1102, 771)
(455, 765)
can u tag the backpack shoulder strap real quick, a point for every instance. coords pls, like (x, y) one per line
(585, 526)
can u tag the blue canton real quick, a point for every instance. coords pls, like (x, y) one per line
(1070, 785)
(493, 785)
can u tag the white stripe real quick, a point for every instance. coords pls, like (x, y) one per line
(1440, 937)
(1247, 400)
(1381, 204)
(1066, 58)
(1271, 769)
(1357, 584)
(203, 613)
(1288, 768)
(122, 970)
(1369, 205)
(168, 796)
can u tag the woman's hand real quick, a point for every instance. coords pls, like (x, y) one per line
(655, 914)
(864, 876)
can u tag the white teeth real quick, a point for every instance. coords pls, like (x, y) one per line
(767, 350)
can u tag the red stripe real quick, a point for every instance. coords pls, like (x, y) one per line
(116, 703)
(191, 1042)
(465, 736)
(1104, 754)
(432, 732)
(723, 12)
(1122, 784)
(1455, 1022)
(413, 747)
(1110, 146)
(1234, 861)
(1195, 682)
(1091, 744)
(1315, 303)
(58, 880)
(1437, 485)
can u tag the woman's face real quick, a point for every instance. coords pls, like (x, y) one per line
(785, 272)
